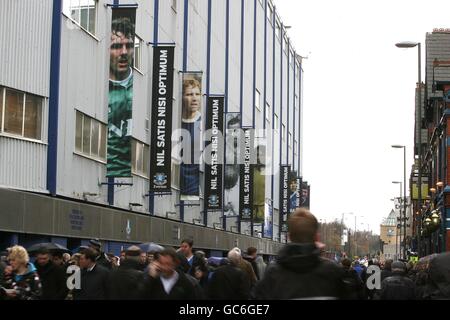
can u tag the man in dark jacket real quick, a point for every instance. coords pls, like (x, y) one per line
(94, 278)
(53, 277)
(299, 272)
(229, 282)
(353, 283)
(125, 283)
(398, 286)
(184, 267)
(386, 272)
(164, 282)
(101, 257)
(251, 255)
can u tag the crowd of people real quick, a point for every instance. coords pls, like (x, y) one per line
(299, 272)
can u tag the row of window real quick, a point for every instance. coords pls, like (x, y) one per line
(21, 114)
(84, 13)
(91, 141)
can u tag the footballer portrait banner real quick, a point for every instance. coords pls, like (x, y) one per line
(213, 155)
(268, 221)
(161, 128)
(120, 101)
(191, 125)
(259, 181)
(285, 172)
(293, 191)
(246, 179)
(232, 170)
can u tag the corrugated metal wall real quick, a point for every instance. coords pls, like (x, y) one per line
(25, 29)
(23, 164)
(25, 37)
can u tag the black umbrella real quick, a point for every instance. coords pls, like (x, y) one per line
(52, 247)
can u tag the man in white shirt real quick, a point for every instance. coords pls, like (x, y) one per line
(165, 283)
(186, 248)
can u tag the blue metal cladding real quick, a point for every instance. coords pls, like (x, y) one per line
(151, 199)
(185, 66)
(208, 82)
(111, 181)
(227, 65)
(185, 35)
(52, 153)
(288, 101)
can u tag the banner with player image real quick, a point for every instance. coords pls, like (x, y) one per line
(120, 102)
(191, 125)
(294, 195)
(259, 181)
(306, 195)
(246, 179)
(231, 182)
(268, 221)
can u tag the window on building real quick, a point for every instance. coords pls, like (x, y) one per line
(138, 47)
(268, 112)
(174, 5)
(175, 175)
(277, 122)
(278, 29)
(21, 114)
(83, 12)
(257, 100)
(270, 13)
(290, 141)
(90, 137)
(140, 158)
(283, 132)
(295, 151)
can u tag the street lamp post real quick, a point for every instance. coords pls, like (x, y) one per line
(408, 44)
(404, 198)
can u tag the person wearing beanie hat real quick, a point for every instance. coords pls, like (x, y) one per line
(102, 258)
(398, 286)
(126, 282)
(398, 267)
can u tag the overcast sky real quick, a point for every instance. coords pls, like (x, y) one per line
(358, 98)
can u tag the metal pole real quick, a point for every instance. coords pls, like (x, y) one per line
(404, 205)
(420, 144)
(396, 242)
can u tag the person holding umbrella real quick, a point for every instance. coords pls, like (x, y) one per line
(53, 277)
